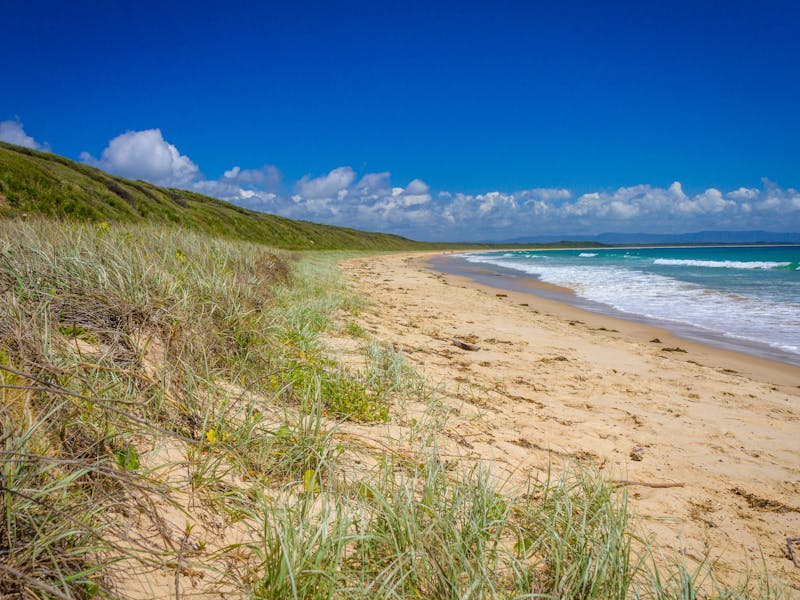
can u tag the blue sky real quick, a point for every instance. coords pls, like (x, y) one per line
(438, 120)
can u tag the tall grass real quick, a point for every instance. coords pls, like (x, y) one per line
(168, 405)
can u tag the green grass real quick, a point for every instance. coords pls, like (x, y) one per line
(114, 339)
(168, 405)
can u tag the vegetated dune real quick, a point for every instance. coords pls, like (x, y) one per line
(37, 183)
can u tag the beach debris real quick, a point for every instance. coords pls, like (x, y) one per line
(460, 439)
(675, 349)
(548, 359)
(502, 295)
(656, 341)
(754, 501)
(637, 453)
(650, 484)
(465, 345)
(793, 544)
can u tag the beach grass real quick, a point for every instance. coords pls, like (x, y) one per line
(174, 422)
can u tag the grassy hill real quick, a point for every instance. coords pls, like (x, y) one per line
(34, 182)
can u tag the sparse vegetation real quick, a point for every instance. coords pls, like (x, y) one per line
(171, 417)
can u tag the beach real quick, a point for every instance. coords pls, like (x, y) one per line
(706, 441)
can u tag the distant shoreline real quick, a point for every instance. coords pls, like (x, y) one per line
(603, 246)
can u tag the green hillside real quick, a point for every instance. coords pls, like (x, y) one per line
(34, 182)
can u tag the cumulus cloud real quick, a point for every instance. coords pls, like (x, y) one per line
(709, 202)
(372, 201)
(414, 194)
(231, 191)
(640, 208)
(254, 188)
(743, 194)
(13, 132)
(266, 176)
(326, 187)
(145, 155)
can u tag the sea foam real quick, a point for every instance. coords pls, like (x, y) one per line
(721, 264)
(663, 298)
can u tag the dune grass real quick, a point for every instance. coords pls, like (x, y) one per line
(172, 422)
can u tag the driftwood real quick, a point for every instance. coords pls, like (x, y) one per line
(793, 544)
(465, 345)
(627, 482)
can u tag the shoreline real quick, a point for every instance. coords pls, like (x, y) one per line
(512, 280)
(553, 298)
(549, 248)
(713, 431)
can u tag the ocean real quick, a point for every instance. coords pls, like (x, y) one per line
(744, 298)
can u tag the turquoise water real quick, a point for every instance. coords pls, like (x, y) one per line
(743, 295)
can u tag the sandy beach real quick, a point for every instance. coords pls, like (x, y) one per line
(706, 440)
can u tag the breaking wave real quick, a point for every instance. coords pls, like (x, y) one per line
(722, 264)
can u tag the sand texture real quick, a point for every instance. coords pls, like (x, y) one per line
(713, 435)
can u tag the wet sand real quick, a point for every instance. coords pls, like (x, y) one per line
(513, 280)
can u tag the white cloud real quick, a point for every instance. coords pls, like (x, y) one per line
(328, 186)
(372, 182)
(620, 210)
(676, 190)
(709, 202)
(145, 155)
(414, 194)
(13, 132)
(266, 176)
(640, 208)
(417, 187)
(743, 194)
(229, 189)
(374, 202)
(548, 193)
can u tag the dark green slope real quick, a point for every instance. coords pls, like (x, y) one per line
(34, 182)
